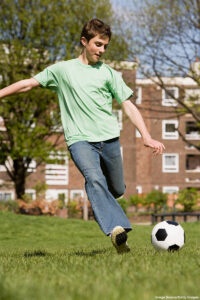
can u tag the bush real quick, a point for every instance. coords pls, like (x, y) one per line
(9, 205)
(123, 203)
(188, 198)
(38, 207)
(73, 208)
(157, 199)
(134, 200)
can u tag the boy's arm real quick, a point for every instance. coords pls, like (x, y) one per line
(136, 118)
(19, 87)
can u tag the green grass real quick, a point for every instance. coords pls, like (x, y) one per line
(51, 258)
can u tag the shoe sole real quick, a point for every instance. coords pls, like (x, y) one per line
(119, 238)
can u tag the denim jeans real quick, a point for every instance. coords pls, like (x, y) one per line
(101, 165)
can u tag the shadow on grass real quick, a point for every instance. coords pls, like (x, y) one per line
(35, 253)
(91, 253)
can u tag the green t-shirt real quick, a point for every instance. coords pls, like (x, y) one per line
(85, 94)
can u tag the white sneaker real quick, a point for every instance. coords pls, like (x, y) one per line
(119, 239)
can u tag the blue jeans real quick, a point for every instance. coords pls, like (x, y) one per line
(101, 165)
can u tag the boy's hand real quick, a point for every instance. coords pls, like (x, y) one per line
(157, 147)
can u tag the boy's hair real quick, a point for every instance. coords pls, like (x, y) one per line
(94, 27)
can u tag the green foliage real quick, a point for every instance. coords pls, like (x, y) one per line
(123, 203)
(61, 200)
(188, 198)
(135, 200)
(73, 210)
(9, 205)
(157, 198)
(40, 189)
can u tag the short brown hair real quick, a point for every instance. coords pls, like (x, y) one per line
(94, 27)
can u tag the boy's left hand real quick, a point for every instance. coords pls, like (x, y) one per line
(157, 147)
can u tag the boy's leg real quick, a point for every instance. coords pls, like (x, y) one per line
(107, 211)
(112, 166)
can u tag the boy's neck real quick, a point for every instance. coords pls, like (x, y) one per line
(83, 58)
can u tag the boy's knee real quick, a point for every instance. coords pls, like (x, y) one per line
(119, 192)
(93, 176)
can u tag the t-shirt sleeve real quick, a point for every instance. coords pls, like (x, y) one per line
(48, 78)
(118, 87)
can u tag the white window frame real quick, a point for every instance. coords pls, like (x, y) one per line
(137, 133)
(32, 166)
(139, 189)
(197, 170)
(56, 129)
(169, 102)
(31, 191)
(169, 189)
(139, 95)
(193, 135)
(118, 114)
(57, 174)
(3, 168)
(12, 193)
(192, 93)
(53, 194)
(172, 169)
(9, 164)
(169, 135)
(2, 127)
(72, 192)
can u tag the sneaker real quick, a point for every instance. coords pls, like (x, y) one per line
(119, 239)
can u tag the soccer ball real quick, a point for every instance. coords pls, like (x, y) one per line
(168, 235)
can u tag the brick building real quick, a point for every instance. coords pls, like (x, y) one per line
(177, 168)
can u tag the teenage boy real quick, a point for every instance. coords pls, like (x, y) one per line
(86, 87)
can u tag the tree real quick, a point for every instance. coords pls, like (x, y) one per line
(167, 43)
(33, 35)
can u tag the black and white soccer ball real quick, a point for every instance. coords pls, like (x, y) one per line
(168, 235)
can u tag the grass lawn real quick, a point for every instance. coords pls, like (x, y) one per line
(52, 258)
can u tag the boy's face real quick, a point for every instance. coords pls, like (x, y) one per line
(95, 48)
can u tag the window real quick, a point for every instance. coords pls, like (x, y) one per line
(57, 194)
(56, 120)
(137, 134)
(118, 114)
(193, 163)
(192, 96)
(76, 194)
(56, 173)
(9, 165)
(192, 131)
(2, 127)
(170, 163)
(7, 195)
(168, 96)
(170, 189)
(169, 129)
(139, 95)
(32, 166)
(31, 194)
(139, 189)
